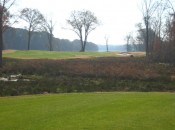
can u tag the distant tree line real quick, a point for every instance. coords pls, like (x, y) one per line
(39, 41)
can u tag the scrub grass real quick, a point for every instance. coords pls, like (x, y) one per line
(89, 111)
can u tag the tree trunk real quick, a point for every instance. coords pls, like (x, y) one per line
(107, 47)
(127, 45)
(84, 46)
(29, 38)
(82, 43)
(1, 40)
(147, 38)
(50, 42)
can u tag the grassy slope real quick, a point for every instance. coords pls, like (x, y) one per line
(90, 111)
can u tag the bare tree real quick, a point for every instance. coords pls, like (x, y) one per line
(172, 20)
(128, 39)
(82, 23)
(5, 5)
(148, 9)
(49, 27)
(171, 6)
(159, 21)
(107, 40)
(34, 19)
(140, 38)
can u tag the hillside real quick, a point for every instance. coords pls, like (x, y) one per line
(16, 38)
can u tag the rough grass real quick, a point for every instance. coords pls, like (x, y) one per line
(89, 111)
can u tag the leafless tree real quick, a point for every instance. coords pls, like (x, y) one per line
(5, 5)
(172, 8)
(128, 39)
(34, 19)
(160, 19)
(49, 27)
(82, 23)
(172, 20)
(106, 41)
(148, 8)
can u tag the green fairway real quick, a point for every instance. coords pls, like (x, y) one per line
(36, 54)
(89, 111)
(55, 55)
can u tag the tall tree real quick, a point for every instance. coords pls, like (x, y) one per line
(82, 23)
(172, 14)
(34, 19)
(49, 27)
(128, 39)
(107, 40)
(148, 8)
(5, 5)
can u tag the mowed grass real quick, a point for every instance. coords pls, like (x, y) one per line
(36, 54)
(55, 54)
(89, 111)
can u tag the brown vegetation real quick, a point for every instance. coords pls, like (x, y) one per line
(87, 75)
(118, 67)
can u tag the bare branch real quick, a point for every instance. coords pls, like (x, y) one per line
(34, 19)
(82, 23)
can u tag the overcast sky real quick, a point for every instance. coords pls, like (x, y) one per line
(118, 17)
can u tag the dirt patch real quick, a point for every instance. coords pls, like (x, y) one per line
(82, 56)
(8, 51)
(138, 53)
(126, 54)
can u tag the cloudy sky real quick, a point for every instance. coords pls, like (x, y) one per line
(118, 17)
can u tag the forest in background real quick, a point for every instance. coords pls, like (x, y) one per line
(16, 38)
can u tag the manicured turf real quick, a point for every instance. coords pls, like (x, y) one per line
(89, 111)
(55, 55)
(36, 54)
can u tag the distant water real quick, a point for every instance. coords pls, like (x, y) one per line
(112, 48)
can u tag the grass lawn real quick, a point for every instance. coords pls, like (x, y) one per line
(35, 54)
(89, 111)
(55, 54)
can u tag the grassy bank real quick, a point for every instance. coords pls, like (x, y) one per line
(91, 111)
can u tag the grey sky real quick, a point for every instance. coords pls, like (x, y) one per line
(118, 17)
